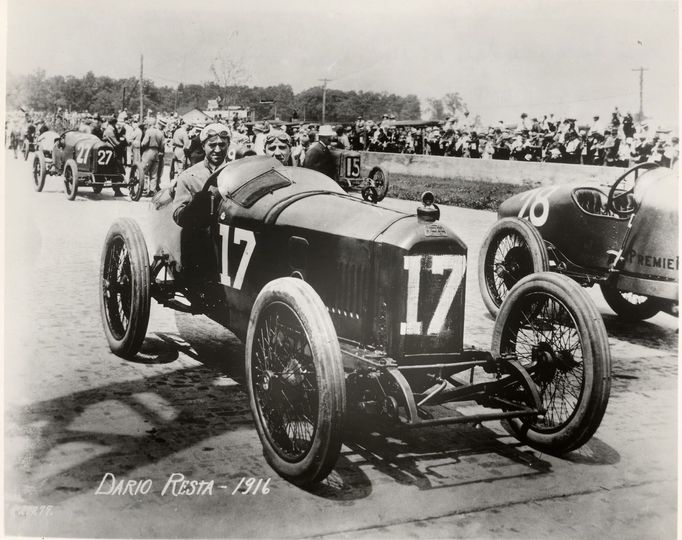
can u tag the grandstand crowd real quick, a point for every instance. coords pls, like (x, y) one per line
(618, 141)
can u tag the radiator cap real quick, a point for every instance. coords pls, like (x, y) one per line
(430, 211)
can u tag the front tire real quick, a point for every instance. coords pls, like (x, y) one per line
(136, 182)
(295, 378)
(71, 179)
(125, 288)
(512, 249)
(629, 306)
(379, 180)
(39, 171)
(554, 330)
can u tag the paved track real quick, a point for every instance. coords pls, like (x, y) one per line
(76, 412)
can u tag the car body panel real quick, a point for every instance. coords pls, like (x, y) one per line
(576, 225)
(389, 281)
(95, 159)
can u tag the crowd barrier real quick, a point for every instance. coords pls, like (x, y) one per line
(490, 171)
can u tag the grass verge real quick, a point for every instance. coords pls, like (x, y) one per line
(463, 193)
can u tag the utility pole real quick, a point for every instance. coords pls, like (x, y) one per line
(641, 91)
(141, 91)
(324, 96)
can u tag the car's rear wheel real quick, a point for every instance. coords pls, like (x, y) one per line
(39, 171)
(96, 189)
(125, 288)
(295, 379)
(136, 182)
(630, 306)
(512, 249)
(380, 182)
(555, 332)
(71, 179)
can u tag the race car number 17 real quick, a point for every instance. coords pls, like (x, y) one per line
(240, 236)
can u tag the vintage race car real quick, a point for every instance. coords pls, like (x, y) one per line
(624, 238)
(372, 187)
(348, 306)
(84, 160)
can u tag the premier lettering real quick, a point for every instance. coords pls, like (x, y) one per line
(652, 261)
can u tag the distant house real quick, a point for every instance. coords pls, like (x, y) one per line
(195, 116)
(228, 113)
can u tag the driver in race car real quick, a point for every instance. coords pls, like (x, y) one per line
(278, 145)
(191, 203)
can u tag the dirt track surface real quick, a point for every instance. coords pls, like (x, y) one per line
(74, 412)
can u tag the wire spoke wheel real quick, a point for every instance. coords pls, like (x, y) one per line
(380, 183)
(512, 250)
(285, 382)
(295, 380)
(510, 260)
(556, 334)
(546, 341)
(125, 288)
(117, 286)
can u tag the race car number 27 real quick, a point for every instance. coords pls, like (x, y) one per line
(536, 203)
(240, 236)
(439, 263)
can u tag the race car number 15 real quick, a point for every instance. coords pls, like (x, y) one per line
(352, 166)
(240, 236)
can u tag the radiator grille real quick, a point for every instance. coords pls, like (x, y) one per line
(350, 294)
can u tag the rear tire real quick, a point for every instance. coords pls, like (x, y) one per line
(39, 171)
(630, 309)
(512, 249)
(556, 333)
(125, 288)
(71, 179)
(96, 189)
(295, 379)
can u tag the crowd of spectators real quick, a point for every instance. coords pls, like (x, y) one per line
(620, 141)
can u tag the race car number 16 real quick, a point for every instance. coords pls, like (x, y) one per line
(240, 236)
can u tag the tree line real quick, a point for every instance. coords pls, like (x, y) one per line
(106, 95)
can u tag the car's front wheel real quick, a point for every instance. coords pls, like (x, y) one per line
(295, 379)
(39, 171)
(71, 179)
(512, 249)
(630, 306)
(125, 288)
(379, 180)
(136, 179)
(555, 332)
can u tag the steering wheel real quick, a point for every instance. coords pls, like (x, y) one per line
(613, 198)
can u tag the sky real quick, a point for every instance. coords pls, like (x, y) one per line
(503, 57)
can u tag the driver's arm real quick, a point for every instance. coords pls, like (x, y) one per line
(191, 204)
